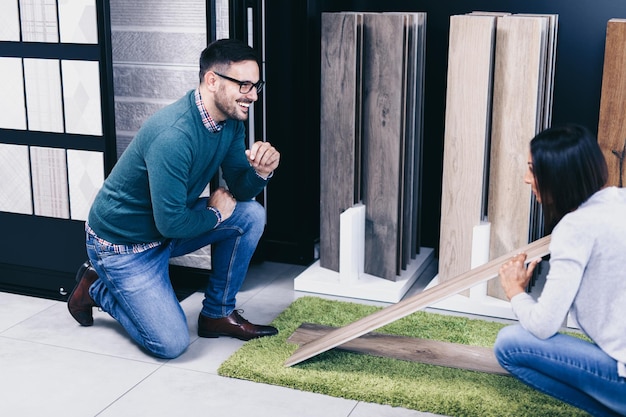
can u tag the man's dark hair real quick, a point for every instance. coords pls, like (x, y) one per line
(221, 53)
(569, 167)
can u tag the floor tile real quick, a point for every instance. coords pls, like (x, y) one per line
(44, 380)
(16, 308)
(178, 392)
(56, 327)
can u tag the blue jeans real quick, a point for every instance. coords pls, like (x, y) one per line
(135, 289)
(570, 369)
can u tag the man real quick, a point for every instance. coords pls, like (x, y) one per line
(148, 210)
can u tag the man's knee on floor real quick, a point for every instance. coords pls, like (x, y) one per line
(169, 347)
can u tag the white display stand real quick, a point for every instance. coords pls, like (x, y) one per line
(351, 281)
(478, 301)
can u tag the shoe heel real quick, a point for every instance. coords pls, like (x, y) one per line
(81, 271)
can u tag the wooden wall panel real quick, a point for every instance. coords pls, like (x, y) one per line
(612, 123)
(383, 63)
(338, 128)
(468, 105)
(518, 96)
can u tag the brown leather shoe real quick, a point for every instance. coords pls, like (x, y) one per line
(80, 303)
(234, 326)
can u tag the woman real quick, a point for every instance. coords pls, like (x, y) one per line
(587, 278)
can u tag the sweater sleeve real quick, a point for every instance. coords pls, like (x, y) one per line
(241, 178)
(569, 253)
(169, 162)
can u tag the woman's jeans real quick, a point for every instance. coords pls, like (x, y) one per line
(134, 284)
(570, 369)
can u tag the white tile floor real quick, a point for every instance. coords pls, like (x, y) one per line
(51, 366)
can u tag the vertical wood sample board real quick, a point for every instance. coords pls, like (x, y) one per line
(612, 124)
(384, 40)
(499, 95)
(467, 120)
(372, 77)
(518, 112)
(339, 137)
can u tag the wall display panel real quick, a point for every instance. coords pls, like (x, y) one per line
(49, 173)
(9, 21)
(612, 123)
(81, 95)
(57, 137)
(44, 104)
(15, 190)
(85, 171)
(12, 106)
(39, 20)
(77, 21)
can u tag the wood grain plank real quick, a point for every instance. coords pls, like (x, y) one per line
(431, 352)
(413, 136)
(382, 113)
(518, 96)
(419, 131)
(612, 121)
(406, 138)
(468, 104)
(464, 281)
(338, 128)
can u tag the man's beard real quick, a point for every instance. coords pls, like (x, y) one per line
(231, 111)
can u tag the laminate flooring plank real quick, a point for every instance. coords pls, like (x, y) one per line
(338, 128)
(430, 296)
(612, 120)
(536, 213)
(358, 174)
(407, 218)
(405, 143)
(517, 100)
(468, 109)
(413, 136)
(382, 121)
(421, 19)
(412, 349)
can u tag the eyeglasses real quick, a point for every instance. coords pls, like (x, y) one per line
(244, 86)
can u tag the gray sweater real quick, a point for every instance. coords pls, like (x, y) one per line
(587, 276)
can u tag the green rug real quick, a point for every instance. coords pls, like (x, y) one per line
(434, 389)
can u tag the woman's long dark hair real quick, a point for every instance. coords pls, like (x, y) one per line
(569, 167)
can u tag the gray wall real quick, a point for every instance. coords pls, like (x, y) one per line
(156, 45)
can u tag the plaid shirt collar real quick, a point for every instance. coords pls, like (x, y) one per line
(207, 121)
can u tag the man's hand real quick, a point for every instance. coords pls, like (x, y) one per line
(514, 276)
(263, 157)
(223, 201)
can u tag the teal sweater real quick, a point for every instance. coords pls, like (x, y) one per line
(150, 192)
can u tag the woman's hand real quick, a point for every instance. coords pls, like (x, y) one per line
(514, 276)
